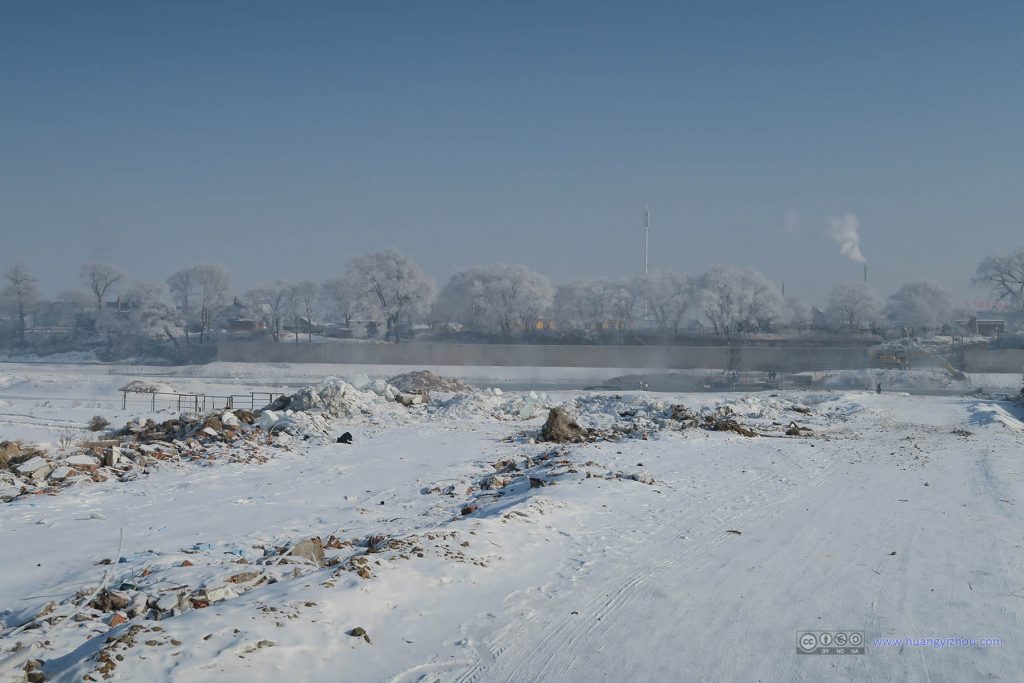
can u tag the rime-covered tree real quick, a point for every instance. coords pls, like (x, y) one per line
(271, 302)
(100, 279)
(853, 305)
(152, 315)
(795, 313)
(201, 293)
(79, 305)
(583, 302)
(461, 300)
(337, 300)
(593, 301)
(516, 295)
(213, 287)
(625, 299)
(19, 295)
(390, 287)
(670, 298)
(738, 300)
(504, 297)
(499, 298)
(184, 292)
(1003, 276)
(924, 305)
(305, 297)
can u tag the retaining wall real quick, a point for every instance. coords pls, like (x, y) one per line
(660, 357)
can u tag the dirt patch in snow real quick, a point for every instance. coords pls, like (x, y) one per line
(561, 428)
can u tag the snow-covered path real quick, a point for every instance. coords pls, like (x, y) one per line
(901, 531)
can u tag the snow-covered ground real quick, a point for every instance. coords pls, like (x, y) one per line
(669, 552)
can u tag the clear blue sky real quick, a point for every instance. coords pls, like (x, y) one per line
(282, 138)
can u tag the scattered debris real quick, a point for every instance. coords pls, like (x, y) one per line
(727, 424)
(642, 477)
(495, 482)
(796, 430)
(359, 632)
(681, 413)
(410, 399)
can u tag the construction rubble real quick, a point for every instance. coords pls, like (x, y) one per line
(245, 436)
(225, 436)
(426, 381)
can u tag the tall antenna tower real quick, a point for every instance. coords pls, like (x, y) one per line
(647, 239)
(647, 260)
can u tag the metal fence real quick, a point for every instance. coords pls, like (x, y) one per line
(196, 402)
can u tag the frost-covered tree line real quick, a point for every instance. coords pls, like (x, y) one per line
(390, 297)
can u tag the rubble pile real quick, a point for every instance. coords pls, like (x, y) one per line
(493, 402)
(137, 448)
(139, 386)
(359, 396)
(234, 435)
(598, 417)
(426, 381)
(560, 427)
(615, 416)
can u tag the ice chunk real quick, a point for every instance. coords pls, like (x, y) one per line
(267, 419)
(359, 381)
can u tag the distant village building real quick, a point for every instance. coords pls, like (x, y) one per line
(986, 327)
(239, 318)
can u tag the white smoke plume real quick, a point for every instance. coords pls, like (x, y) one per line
(845, 230)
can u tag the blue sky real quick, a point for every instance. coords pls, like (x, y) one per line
(282, 138)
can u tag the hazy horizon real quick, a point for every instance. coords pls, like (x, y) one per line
(281, 141)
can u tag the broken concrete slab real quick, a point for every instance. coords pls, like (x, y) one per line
(311, 549)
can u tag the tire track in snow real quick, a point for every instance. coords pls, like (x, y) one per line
(562, 635)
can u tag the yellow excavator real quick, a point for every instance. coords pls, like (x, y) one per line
(890, 360)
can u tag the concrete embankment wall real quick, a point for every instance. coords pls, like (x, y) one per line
(994, 360)
(654, 357)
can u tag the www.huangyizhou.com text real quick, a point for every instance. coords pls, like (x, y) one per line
(937, 643)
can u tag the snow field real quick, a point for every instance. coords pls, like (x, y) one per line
(881, 518)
